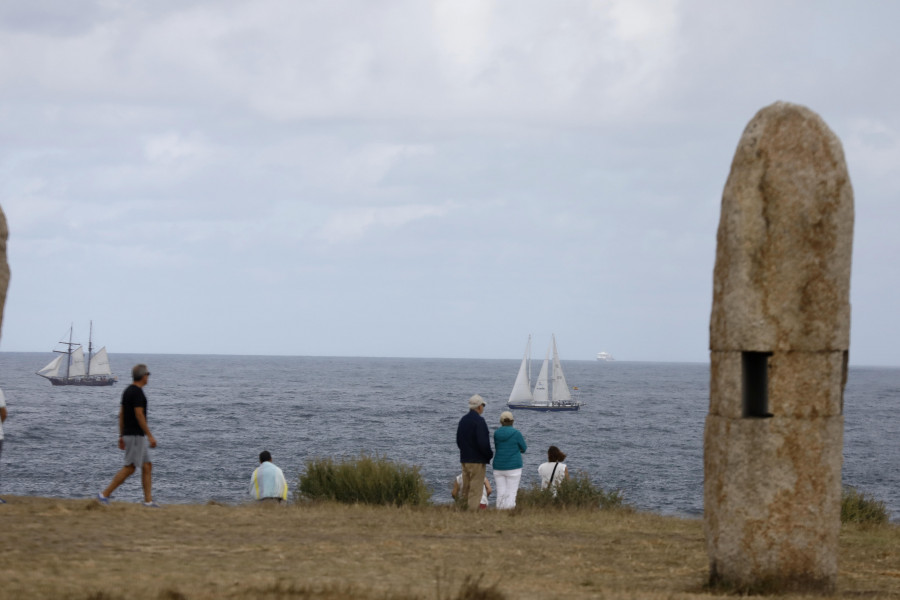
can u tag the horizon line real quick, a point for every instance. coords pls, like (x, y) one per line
(685, 362)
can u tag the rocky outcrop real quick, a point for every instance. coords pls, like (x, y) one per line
(4, 266)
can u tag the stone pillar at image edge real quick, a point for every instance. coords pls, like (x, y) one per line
(779, 341)
(4, 266)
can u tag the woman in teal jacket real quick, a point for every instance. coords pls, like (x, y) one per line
(508, 448)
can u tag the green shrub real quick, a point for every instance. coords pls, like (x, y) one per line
(575, 492)
(364, 480)
(859, 507)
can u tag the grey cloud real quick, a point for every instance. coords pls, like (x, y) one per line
(479, 169)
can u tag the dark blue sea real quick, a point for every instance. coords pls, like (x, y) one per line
(640, 430)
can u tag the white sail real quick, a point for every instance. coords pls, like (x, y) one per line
(76, 369)
(52, 369)
(560, 387)
(521, 392)
(100, 363)
(541, 393)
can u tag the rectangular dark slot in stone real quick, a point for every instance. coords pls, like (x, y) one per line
(846, 360)
(755, 369)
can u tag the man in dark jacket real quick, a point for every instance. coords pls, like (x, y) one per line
(474, 442)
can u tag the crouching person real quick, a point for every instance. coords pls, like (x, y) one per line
(268, 483)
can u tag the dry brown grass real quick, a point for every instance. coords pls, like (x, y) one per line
(77, 549)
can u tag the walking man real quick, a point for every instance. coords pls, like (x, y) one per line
(475, 452)
(134, 438)
(268, 482)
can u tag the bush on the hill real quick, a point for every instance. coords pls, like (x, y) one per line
(364, 480)
(575, 492)
(859, 507)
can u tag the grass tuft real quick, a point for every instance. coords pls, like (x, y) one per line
(334, 591)
(859, 507)
(363, 480)
(575, 492)
(772, 586)
(472, 589)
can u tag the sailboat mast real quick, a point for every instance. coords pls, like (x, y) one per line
(90, 347)
(528, 367)
(69, 353)
(552, 385)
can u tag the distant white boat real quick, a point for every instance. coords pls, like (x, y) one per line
(605, 356)
(71, 368)
(543, 398)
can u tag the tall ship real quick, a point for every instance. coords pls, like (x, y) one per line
(71, 367)
(551, 392)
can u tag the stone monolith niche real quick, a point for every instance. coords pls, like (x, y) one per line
(779, 338)
(4, 266)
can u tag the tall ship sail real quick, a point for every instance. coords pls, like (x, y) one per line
(71, 367)
(551, 391)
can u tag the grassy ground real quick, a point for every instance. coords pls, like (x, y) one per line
(77, 549)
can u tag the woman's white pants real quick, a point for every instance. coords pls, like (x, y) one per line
(507, 487)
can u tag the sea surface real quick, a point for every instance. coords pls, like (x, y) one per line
(640, 429)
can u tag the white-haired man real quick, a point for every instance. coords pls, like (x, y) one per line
(474, 442)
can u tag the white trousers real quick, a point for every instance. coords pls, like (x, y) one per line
(507, 487)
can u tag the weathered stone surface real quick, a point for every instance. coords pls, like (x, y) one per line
(782, 274)
(801, 384)
(4, 266)
(779, 340)
(772, 500)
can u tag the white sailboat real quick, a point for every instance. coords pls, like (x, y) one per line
(69, 367)
(544, 397)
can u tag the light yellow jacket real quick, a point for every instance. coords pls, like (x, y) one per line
(268, 482)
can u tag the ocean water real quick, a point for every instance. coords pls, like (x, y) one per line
(640, 431)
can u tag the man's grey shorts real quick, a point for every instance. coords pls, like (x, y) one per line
(137, 452)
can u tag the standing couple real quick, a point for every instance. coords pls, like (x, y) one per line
(473, 440)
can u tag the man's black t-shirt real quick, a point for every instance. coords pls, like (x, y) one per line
(132, 397)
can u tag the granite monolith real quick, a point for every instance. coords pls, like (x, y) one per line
(779, 341)
(4, 266)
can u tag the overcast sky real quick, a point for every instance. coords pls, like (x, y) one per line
(416, 178)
